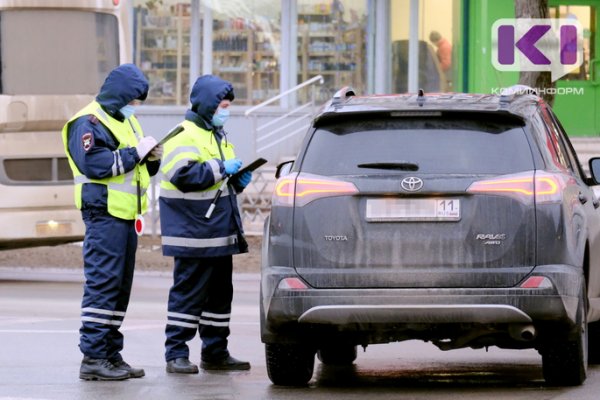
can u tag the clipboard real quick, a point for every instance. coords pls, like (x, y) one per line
(250, 167)
(171, 134)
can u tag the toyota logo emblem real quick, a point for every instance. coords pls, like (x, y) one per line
(412, 184)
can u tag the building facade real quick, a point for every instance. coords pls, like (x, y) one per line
(266, 47)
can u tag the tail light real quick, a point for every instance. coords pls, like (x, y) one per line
(292, 284)
(543, 187)
(301, 189)
(536, 282)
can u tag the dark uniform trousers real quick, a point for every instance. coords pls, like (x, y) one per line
(109, 259)
(200, 300)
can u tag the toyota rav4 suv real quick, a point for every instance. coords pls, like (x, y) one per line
(464, 220)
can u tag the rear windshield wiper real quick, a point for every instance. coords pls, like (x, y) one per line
(401, 165)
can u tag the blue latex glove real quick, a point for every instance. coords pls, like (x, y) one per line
(245, 179)
(232, 166)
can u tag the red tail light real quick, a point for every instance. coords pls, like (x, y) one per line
(541, 186)
(292, 284)
(536, 282)
(304, 188)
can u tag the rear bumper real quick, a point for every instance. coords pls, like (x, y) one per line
(287, 310)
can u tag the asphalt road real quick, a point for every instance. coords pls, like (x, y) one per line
(39, 357)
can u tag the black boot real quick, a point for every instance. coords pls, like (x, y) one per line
(100, 369)
(181, 366)
(133, 372)
(226, 364)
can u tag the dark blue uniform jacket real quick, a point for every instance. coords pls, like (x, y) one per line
(184, 218)
(124, 84)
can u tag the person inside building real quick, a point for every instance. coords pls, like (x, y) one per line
(444, 54)
(105, 147)
(198, 163)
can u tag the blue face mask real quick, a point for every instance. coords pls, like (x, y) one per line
(220, 117)
(127, 111)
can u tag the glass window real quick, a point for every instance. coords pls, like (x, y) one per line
(332, 43)
(68, 52)
(562, 160)
(247, 47)
(437, 36)
(464, 145)
(162, 49)
(40, 170)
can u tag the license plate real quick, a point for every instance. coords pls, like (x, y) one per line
(383, 210)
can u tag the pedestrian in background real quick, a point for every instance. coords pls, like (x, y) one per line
(444, 55)
(104, 144)
(195, 164)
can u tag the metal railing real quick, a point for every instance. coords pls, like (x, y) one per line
(297, 118)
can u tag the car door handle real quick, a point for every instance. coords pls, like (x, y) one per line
(582, 198)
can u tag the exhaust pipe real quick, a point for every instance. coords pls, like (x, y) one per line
(525, 333)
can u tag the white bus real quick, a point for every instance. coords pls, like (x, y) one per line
(54, 56)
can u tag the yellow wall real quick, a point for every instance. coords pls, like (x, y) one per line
(435, 15)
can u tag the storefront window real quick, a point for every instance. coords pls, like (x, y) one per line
(437, 32)
(331, 42)
(162, 48)
(246, 47)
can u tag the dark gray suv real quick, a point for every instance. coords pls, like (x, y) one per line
(461, 219)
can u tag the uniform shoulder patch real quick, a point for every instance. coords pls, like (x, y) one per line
(93, 119)
(87, 141)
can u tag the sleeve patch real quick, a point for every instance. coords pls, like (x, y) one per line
(87, 141)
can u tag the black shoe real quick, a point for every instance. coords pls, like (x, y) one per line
(100, 369)
(133, 372)
(226, 364)
(181, 366)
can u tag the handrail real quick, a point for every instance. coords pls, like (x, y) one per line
(281, 118)
(279, 96)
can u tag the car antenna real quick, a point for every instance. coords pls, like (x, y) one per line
(421, 98)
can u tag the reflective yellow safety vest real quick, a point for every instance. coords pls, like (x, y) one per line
(184, 230)
(193, 144)
(122, 189)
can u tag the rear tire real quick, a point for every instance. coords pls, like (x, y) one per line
(565, 357)
(337, 354)
(594, 342)
(289, 364)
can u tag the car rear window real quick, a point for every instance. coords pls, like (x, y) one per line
(433, 145)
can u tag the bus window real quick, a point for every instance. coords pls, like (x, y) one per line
(68, 52)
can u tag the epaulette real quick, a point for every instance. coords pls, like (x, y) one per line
(93, 119)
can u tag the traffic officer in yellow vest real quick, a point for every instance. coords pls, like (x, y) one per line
(195, 164)
(104, 145)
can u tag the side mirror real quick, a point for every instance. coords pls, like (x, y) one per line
(594, 164)
(285, 167)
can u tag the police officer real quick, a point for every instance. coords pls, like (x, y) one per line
(195, 164)
(104, 145)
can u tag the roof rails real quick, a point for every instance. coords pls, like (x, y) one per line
(342, 94)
